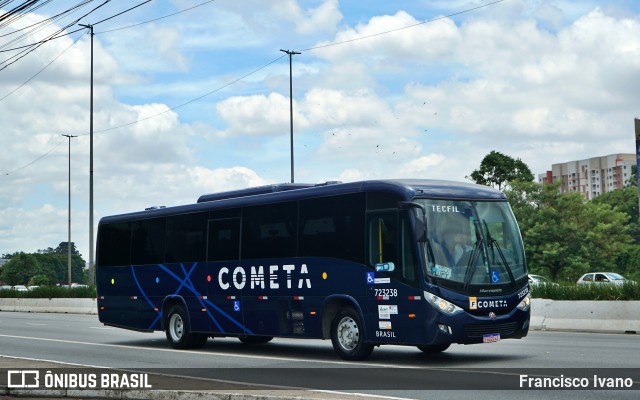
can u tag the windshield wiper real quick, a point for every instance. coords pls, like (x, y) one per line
(478, 246)
(493, 242)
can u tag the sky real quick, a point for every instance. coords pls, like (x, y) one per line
(197, 100)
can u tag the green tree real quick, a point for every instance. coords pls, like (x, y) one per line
(55, 263)
(39, 280)
(499, 170)
(606, 234)
(624, 200)
(20, 269)
(565, 236)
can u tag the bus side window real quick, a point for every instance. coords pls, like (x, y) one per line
(224, 239)
(114, 244)
(147, 241)
(332, 227)
(185, 239)
(270, 231)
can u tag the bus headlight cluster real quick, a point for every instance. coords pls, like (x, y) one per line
(525, 303)
(442, 304)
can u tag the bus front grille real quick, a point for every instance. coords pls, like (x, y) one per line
(481, 330)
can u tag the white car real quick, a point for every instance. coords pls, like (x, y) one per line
(19, 288)
(602, 278)
(535, 280)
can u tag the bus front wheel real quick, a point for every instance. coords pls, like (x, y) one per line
(347, 336)
(178, 330)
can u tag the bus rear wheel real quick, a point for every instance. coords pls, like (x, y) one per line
(178, 330)
(434, 349)
(347, 337)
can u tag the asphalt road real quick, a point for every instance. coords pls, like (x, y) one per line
(461, 372)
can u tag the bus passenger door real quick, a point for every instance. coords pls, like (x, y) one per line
(393, 297)
(226, 277)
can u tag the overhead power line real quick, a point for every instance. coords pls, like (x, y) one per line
(40, 25)
(156, 19)
(252, 72)
(35, 160)
(190, 101)
(39, 72)
(13, 59)
(402, 28)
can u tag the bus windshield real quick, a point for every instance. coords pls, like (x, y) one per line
(472, 242)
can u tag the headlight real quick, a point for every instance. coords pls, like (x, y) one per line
(525, 303)
(441, 304)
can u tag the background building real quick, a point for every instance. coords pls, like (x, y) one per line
(593, 176)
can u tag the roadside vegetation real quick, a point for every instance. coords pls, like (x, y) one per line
(48, 267)
(571, 291)
(49, 292)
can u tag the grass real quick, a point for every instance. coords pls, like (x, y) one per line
(49, 292)
(628, 291)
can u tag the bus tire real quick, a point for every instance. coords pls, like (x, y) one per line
(434, 348)
(178, 330)
(347, 336)
(255, 339)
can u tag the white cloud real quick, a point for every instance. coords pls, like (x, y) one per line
(257, 115)
(421, 166)
(419, 41)
(543, 81)
(325, 17)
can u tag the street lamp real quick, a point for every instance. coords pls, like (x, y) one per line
(291, 53)
(69, 226)
(91, 261)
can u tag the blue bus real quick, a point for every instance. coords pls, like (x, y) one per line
(422, 263)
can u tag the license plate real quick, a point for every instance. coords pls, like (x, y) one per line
(491, 338)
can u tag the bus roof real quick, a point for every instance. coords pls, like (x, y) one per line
(406, 189)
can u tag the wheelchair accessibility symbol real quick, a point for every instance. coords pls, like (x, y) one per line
(236, 306)
(370, 278)
(495, 277)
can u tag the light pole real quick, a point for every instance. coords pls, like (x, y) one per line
(69, 226)
(91, 261)
(637, 125)
(291, 53)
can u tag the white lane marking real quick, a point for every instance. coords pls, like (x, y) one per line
(33, 323)
(201, 353)
(346, 394)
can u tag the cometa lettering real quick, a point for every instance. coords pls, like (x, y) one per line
(475, 304)
(265, 278)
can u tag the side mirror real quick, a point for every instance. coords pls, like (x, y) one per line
(420, 219)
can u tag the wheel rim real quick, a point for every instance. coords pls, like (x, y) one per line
(176, 327)
(348, 333)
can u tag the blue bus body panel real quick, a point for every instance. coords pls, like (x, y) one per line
(405, 189)
(286, 296)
